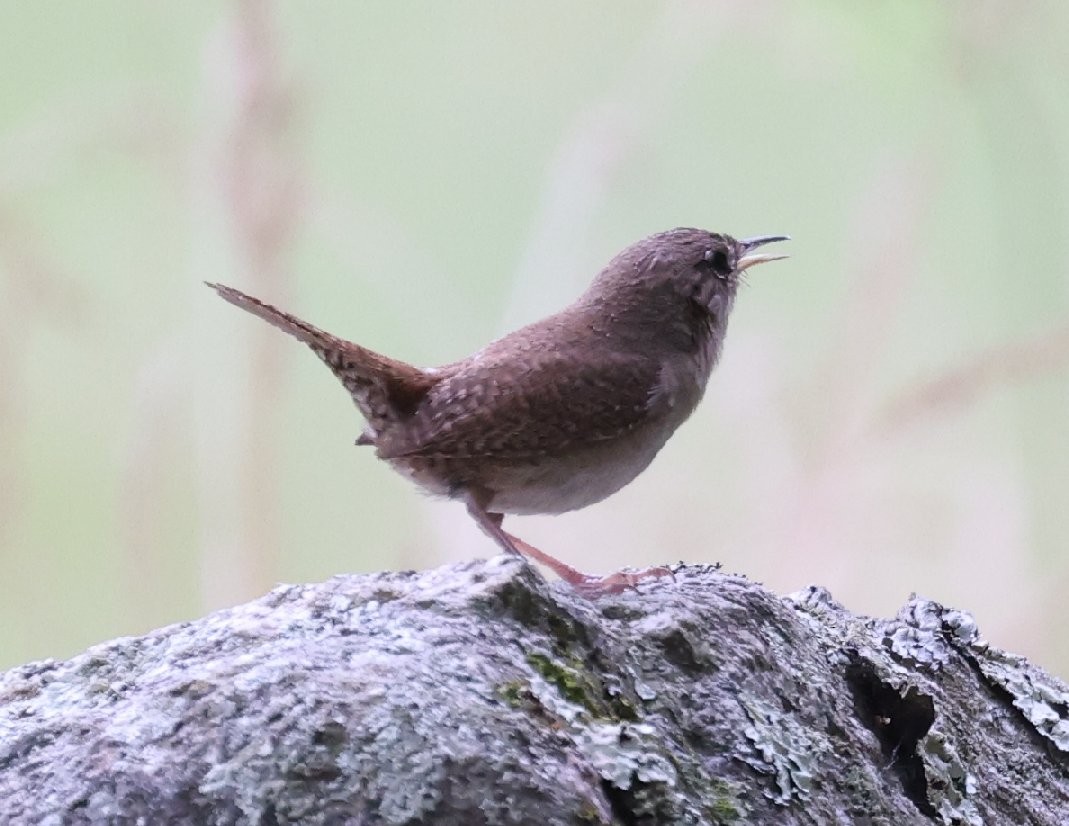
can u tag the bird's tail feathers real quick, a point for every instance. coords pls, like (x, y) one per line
(296, 327)
(384, 389)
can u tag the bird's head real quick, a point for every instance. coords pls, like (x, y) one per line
(681, 282)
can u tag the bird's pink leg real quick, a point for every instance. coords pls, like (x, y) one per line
(586, 584)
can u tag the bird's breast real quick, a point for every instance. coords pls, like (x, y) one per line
(585, 476)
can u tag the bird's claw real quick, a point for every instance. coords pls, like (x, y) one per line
(616, 582)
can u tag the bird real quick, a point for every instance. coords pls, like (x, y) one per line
(563, 412)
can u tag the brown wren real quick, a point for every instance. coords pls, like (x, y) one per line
(564, 412)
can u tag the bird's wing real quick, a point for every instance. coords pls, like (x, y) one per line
(550, 404)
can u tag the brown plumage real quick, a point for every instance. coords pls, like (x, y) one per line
(561, 413)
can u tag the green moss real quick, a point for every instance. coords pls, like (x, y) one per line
(533, 611)
(515, 692)
(563, 631)
(577, 685)
(623, 708)
(725, 807)
(574, 686)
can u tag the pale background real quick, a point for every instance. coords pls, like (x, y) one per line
(892, 410)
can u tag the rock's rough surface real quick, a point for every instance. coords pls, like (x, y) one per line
(478, 694)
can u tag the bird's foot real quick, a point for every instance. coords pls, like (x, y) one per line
(593, 587)
(588, 585)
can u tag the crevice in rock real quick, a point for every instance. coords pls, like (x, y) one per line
(899, 722)
(620, 804)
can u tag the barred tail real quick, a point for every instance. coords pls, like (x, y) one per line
(384, 389)
(299, 329)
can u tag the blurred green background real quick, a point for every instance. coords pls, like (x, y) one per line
(891, 413)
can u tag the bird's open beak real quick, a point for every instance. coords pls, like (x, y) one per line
(749, 258)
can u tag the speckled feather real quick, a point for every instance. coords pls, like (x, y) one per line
(542, 406)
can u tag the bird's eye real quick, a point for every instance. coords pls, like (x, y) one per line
(717, 261)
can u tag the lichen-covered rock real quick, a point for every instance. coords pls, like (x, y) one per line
(479, 694)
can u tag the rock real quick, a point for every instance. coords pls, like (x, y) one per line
(480, 694)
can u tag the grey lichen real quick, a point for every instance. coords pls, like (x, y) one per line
(1041, 698)
(625, 753)
(919, 635)
(950, 786)
(622, 752)
(783, 749)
